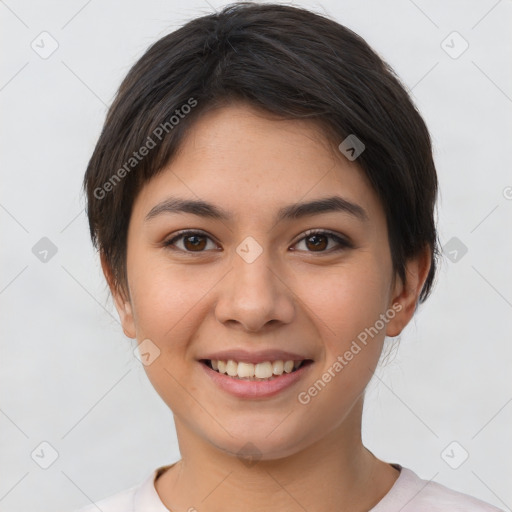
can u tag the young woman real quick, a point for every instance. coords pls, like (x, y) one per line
(262, 197)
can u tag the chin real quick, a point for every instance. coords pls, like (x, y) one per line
(250, 445)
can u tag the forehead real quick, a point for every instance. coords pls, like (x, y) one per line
(251, 163)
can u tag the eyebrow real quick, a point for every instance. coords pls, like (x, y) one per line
(293, 211)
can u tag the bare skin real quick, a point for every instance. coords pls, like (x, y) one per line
(312, 297)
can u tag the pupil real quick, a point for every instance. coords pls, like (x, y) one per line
(197, 242)
(313, 237)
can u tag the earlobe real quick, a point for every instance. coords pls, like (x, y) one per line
(406, 293)
(122, 303)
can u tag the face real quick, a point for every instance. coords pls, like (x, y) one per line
(264, 282)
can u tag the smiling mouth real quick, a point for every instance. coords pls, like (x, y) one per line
(264, 371)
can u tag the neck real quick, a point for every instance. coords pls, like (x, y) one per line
(335, 473)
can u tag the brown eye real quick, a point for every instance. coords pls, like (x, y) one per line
(192, 241)
(318, 241)
(315, 241)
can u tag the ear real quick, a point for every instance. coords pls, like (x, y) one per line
(406, 294)
(122, 303)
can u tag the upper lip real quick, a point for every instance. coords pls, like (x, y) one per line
(244, 356)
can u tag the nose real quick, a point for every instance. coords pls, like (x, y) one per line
(254, 296)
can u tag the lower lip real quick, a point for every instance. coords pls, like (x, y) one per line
(252, 388)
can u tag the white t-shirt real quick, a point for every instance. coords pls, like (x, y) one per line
(409, 494)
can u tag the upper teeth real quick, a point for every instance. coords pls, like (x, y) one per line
(262, 370)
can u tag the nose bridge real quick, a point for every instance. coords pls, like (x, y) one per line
(253, 294)
(252, 269)
(253, 279)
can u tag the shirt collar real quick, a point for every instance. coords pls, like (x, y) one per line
(146, 498)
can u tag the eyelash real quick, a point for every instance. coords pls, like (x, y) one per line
(342, 242)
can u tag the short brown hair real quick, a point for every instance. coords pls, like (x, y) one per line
(288, 61)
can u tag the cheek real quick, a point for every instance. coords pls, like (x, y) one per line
(349, 305)
(347, 308)
(165, 298)
(167, 302)
(347, 299)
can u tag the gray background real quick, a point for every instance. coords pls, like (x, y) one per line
(68, 374)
